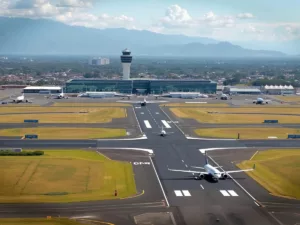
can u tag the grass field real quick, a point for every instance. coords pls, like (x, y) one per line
(289, 98)
(277, 171)
(204, 105)
(57, 115)
(247, 133)
(65, 133)
(38, 221)
(64, 176)
(203, 115)
(89, 104)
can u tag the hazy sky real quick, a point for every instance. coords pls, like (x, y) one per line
(231, 20)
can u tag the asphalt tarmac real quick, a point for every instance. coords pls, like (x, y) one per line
(190, 201)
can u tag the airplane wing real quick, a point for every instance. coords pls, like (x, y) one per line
(188, 171)
(131, 101)
(198, 167)
(237, 171)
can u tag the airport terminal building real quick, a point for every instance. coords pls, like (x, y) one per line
(142, 86)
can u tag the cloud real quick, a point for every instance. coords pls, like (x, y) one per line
(245, 16)
(175, 16)
(75, 3)
(71, 12)
(90, 20)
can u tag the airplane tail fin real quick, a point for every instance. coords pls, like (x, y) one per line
(206, 161)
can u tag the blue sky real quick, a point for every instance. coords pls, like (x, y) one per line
(228, 20)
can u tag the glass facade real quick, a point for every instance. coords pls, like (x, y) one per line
(142, 86)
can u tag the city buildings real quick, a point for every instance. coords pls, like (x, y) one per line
(98, 61)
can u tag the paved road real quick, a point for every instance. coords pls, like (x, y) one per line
(201, 201)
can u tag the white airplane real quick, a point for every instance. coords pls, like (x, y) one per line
(143, 103)
(223, 97)
(60, 95)
(163, 132)
(203, 96)
(260, 101)
(20, 99)
(210, 171)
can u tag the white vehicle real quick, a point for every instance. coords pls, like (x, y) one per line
(261, 101)
(163, 132)
(210, 171)
(20, 99)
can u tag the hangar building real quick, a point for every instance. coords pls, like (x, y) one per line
(279, 90)
(42, 89)
(242, 90)
(143, 86)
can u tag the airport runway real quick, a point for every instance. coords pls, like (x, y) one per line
(195, 202)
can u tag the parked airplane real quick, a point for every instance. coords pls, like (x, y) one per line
(163, 132)
(20, 99)
(59, 96)
(260, 101)
(210, 171)
(203, 96)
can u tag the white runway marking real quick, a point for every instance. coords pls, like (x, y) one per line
(147, 124)
(142, 113)
(233, 193)
(225, 193)
(178, 193)
(137, 107)
(186, 193)
(157, 113)
(201, 186)
(166, 124)
(196, 102)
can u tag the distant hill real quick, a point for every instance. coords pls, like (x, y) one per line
(28, 36)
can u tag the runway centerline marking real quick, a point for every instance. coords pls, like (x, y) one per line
(232, 193)
(224, 193)
(157, 113)
(142, 113)
(147, 124)
(166, 124)
(201, 186)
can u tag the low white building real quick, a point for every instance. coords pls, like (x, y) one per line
(42, 89)
(279, 89)
(186, 95)
(95, 94)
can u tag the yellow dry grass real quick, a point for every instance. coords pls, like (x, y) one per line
(65, 133)
(89, 104)
(62, 115)
(289, 98)
(39, 221)
(247, 133)
(202, 105)
(64, 176)
(203, 115)
(276, 170)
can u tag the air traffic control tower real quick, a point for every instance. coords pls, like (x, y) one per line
(126, 59)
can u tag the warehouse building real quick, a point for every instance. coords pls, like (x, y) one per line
(42, 89)
(242, 90)
(279, 90)
(143, 86)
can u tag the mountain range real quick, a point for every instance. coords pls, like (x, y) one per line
(42, 37)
